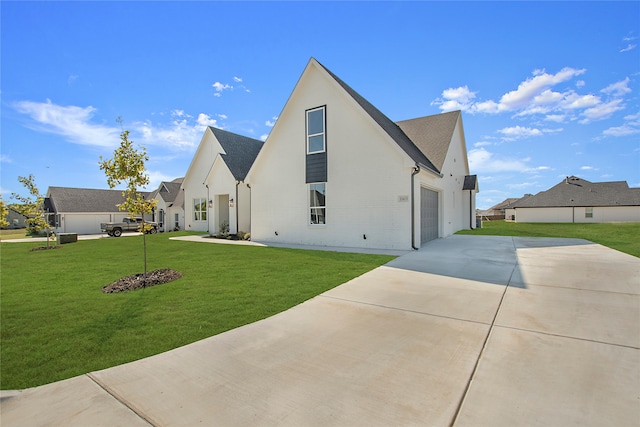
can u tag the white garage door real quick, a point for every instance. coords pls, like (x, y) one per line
(428, 215)
(84, 224)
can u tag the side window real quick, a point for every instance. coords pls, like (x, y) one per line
(315, 130)
(200, 209)
(588, 212)
(317, 203)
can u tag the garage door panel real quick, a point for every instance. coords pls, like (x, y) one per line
(428, 215)
(84, 224)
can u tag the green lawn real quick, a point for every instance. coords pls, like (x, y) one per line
(56, 323)
(624, 237)
(20, 233)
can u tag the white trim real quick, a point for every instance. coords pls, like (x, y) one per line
(324, 129)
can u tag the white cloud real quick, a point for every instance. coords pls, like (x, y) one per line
(517, 132)
(631, 127)
(264, 136)
(482, 144)
(481, 160)
(628, 48)
(220, 87)
(535, 96)
(5, 159)
(532, 87)
(588, 168)
(459, 98)
(573, 101)
(620, 88)
(204, 120)
(155, 178)
(557, 118)
(72, 122)
(222, 116)
(237, 79)
(602, 111)
(624, 130)
(271, 122)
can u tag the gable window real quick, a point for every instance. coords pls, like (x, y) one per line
(315, 130)
(317, 203)
(200, 209)
(588, 212)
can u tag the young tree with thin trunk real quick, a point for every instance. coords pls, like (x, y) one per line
(4, 211)
(127, 166)
(32, 207)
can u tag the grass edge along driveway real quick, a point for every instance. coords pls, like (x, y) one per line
(55, 322)
(621, 236)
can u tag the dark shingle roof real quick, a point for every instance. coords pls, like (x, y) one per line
(65, 199)
(241, 151)
(392, 129)
(432, 134)
(574, 191)
(506, 203)
(168, 190)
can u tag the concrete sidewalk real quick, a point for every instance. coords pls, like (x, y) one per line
(468, 331)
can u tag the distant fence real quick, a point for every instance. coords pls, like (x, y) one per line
(491, 217)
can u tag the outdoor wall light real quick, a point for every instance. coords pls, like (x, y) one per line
(276, 233)
(210, 203)
(231, 203)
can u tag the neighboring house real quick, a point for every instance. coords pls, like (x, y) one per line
(81, 210)
(169, 212)
(214, 189)
(498, 211)
(578, 200)
(335, 171)
(15, 219)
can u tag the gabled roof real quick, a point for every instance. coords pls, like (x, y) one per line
(240, 151)
(65, 199)
(574, 191)
(432, 134)
(168, 190)
(506, 203)
(391, 128)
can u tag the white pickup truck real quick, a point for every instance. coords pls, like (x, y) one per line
(115, 229)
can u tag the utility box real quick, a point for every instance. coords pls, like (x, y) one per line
(67, 238)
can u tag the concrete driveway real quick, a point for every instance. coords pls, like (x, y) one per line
(468, 331)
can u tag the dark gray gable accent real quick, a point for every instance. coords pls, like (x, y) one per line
(387, 125)
(316, 167)
(470, 182)
(241, 151)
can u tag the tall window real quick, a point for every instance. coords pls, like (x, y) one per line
(177, 221)
(315, 131)
(200, 209)
(317, 203)
(588, 212)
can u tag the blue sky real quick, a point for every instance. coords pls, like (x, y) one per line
(547, 89)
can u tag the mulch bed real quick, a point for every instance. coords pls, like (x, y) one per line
(137, 281)
(44, 248)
